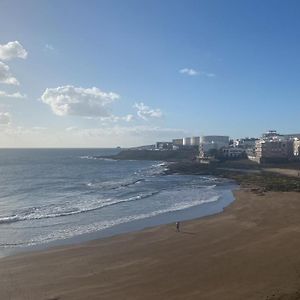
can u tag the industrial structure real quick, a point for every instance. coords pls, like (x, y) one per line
(177, 142)
(186, 141)
(195, 141)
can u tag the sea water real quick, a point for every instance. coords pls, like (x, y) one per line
(56, 195)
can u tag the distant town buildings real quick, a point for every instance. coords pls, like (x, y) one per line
(273, 150)
(195, 141)
(271, 134)
(270, 147)
(245, 143)
(164, 146)
(233, 152)
(212, 142)
(275, 147)
(186, 141)
(177, 142)
(297, 147)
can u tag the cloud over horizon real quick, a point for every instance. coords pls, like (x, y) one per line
(145, 112)
(125, 135)
(78, 101)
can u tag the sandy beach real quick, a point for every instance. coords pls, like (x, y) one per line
(250, 251)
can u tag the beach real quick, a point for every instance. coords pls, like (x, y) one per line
(249, 251)
(71, 195)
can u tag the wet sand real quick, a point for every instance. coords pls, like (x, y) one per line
(286, 172)
(250, 251)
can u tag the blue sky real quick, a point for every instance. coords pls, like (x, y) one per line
(159, 69)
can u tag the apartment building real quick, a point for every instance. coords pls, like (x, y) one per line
(273, 147)
(245, 143)
(210, 142)
(297, 147)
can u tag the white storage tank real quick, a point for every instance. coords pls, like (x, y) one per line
(186, 141)
(195, 140)
(216, 139)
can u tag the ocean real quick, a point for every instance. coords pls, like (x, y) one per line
(57, 196)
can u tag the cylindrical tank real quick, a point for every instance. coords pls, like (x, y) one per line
(218, 139)
(186, 141)
(195, 140)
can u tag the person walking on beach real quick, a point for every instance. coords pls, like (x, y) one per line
(178, 226)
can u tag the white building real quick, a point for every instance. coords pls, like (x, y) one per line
(195, 140)
(186, 141)
(221, 140)
(233, 152)
(245, 143)
(271, 134)
(297, 147)
(177, 142)
(273, 147)
(164, 146)
(210, 142)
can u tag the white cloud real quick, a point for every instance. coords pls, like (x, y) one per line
(16, 95)
(49, 47)
(193, 72)
(12, 50)
(190, 72)
(6, 76)
(145, 112)
(109, 136)
(77, 101)
(115, 119)
(5, 118)
(128, 118)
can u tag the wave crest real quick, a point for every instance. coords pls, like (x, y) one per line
(58, 211)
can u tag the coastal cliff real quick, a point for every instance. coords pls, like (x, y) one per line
(188, 154)
(262, 177)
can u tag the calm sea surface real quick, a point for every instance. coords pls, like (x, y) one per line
(56, 195)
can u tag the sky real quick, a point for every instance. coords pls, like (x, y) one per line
(132, 72)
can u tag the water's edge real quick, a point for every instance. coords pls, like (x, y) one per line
(188, 214)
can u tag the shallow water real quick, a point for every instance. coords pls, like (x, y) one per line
(51, 196)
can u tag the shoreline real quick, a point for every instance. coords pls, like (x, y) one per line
(249, 251)
(263, 177)
(245, 173)
(194, 212)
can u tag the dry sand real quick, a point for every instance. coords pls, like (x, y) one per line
(250, 251)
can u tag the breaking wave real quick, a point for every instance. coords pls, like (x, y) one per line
(98, 226)
(51, 211)
(97, 157)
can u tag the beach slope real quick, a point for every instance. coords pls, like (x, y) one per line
(250, 251)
